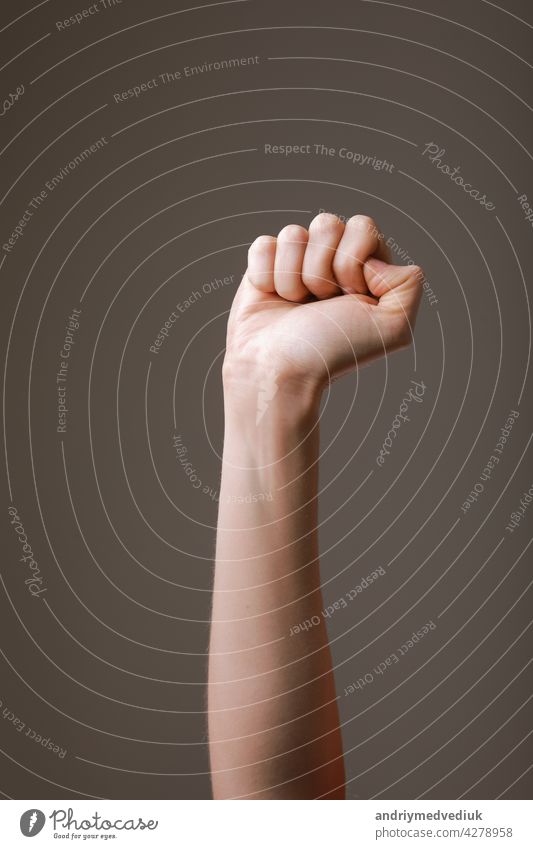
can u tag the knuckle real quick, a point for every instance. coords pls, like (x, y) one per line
(262, 243)
(293, 233)
(260, 281)
(326, 221)
(319, 286)
(344, 263)
(365, 223)
(256, 279)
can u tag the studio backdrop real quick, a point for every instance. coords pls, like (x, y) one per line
(144, 147)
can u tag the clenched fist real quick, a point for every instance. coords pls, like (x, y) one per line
(315, 303)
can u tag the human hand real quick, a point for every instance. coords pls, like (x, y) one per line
(315, 304)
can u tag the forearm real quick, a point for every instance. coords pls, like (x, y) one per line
(273, 720)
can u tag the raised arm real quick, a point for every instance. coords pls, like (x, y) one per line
(311, 306)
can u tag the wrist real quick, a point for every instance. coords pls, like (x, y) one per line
(270, 390)
(270, 418)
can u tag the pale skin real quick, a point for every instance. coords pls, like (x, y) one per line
(313, 305)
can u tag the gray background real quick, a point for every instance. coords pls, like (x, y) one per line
(110, 662)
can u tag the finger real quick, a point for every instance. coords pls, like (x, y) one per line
(399, 289)
(325, 232)
(382, 251)
(361, 239)
(384, 279)
(247, 295)
(261, 258)
(290, 250)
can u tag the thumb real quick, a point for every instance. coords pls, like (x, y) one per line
(398, 289)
